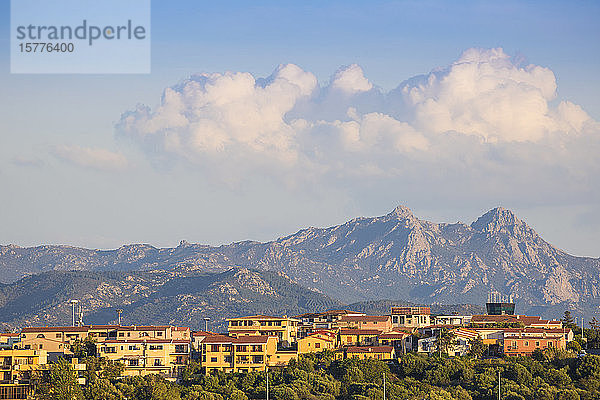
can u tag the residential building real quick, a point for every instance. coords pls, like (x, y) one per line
(165, 357)
(382, 323)
(358, 337)
(9, 340)
(317, 341)
(455, 320)
(524, 341)
(364, 352)
(242, 354)
(400, 341)
(284, 328)
(326, 320)
(410, 317)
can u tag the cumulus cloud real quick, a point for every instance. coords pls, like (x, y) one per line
(482, 116)
(93, 158)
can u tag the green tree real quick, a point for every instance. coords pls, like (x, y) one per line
(60, 383)
(477, 348)
(568, 321)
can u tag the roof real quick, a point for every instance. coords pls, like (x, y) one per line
(360, 332)
(55, 329)
(258, 317)
(370, 349)
(9, 334)
(202, 333)
(393, 335)
(367, 318)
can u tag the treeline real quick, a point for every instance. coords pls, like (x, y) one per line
(548, 375)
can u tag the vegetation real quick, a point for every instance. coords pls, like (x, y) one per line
(549, 375)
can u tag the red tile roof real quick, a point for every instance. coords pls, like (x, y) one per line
(360, 332)
(370, 349)
(365, 318)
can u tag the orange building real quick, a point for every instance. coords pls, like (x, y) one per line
(522, 342)
(382, 323)
(364, 352)
(358, 337)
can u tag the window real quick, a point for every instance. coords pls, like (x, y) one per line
(41, 346)
(121, 334)
(317, 345)
(134, 363)
(234, 323)
(40, 336)
(111, 349)
(257, 347)
(156, 347)
(527, 343)
(550, 344)
(144, 334)
(213, 359)
(537, 344)
(257, 359)
(242, 348)
(133, 347)
(58, 335)
(214, 348)
(227, 359)
(159, 333)
(157, 362)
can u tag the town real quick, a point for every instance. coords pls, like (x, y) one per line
(259, 342)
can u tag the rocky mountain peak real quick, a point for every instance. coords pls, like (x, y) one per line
(495, 220)
(402, 212)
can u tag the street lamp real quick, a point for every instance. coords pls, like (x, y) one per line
(206, 319)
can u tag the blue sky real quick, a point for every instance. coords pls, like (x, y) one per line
(51, 194)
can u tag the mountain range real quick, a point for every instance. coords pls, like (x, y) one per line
(396, 256)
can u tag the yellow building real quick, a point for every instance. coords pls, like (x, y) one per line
(56, 340)
(9, 340)
(242, 354)
(358, 337)
(410, 317)
(165, 357)
(317, 341)
(284, 328)
(364, 352)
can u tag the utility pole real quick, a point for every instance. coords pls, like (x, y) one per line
(73, 306)
(206, 319)
(583, 331)
(267, 369)
(498, 384)
(119, 311)
(384, 385)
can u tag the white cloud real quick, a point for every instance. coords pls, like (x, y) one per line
(482, 123)
(93, 158)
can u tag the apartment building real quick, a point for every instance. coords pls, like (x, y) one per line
(241, 354)
(16, 368)
(364, 352)
(410, 317)
(284, 328)
(317, 341)
(144, 356)
(382, 323)
(9, 340)
(455, 320)
(358, 337)
(524, 341)
(327, 320)
(400, 341)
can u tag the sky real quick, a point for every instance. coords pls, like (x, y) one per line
(261, 118)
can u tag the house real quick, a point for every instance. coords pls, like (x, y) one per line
(364, 352)
(400, 341)
(9, 340)
(455, 320)
(284, 328)
(326, 320)
(382, 323)
(165, 357)
(317, 341)
(524, 341)
(242, 354)
(461, 344)
(358, 337)
(410, 317)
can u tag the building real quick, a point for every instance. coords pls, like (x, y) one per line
(165, 357)
(9, 340)
(524, 341)
(317, 341)
(520, 320)
(326, 320)
(358, 337)
(455, 320)
(242, 354)
(400, 341)
(462, 341)
(284, 328)
(364, 352)
(410, 317)
(382, 323)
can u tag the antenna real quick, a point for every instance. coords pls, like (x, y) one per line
(119, 311)
(206, 319)
(80, 322)
(74, 305)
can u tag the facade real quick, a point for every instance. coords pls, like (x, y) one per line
(381, 323)
(523, 342)
(241, 354)
(358, 337)
(400, 341)
(364, 352)
(16, 368)
(284, 328)
(317, 341)
(455, 320)
(410, 317)
(9, 340)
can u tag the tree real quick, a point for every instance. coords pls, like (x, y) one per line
(477, 348)
(84, 348)
(60, 383)
(568, 320)
(445, 339)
